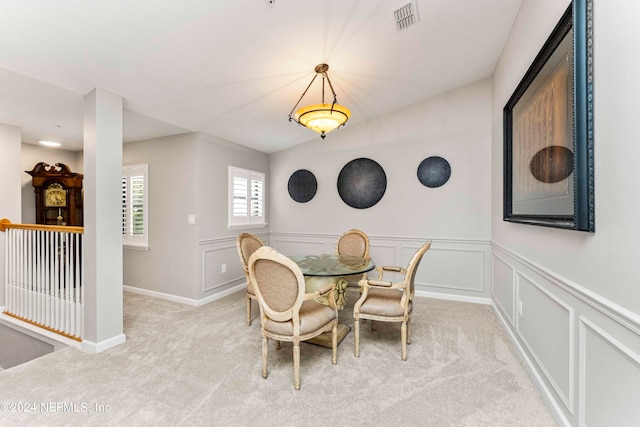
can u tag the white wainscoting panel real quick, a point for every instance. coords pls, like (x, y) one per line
(213, 260)
(297, 247)
(384, 254)
(216, 253)
(450, 267)
(546, 329)
(609, 379)
(459, 269)
(584, 350)
(503, 291)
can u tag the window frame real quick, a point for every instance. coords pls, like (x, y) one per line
(237, 222)
(130, 240)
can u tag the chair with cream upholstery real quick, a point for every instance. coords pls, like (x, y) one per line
(247, 244)
(353, 243)
(388, 301)
(287, 312)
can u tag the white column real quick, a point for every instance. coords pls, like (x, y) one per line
(10, 190)
(102, 221)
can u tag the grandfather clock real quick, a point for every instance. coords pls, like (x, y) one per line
(58, 194)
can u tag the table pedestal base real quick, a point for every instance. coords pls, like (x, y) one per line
(324, 339)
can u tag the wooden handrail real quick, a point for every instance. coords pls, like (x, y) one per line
(5, 223)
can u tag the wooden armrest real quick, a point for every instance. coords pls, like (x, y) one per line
(326, 289)
(378, 283)
(319, 292)
(389, 268)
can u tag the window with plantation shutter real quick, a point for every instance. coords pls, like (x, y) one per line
(246, 198)
(134, 206)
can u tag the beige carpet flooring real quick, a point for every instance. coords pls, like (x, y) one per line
(188, 366)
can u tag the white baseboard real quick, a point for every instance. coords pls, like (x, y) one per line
(93, 347)
(184, 300)
(452, 297)
(557, 411)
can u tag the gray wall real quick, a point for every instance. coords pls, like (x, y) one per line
(580, 292)
(216, 243)
(169, 266)
(456, 216)
(188, 176)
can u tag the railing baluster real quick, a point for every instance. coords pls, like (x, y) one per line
(20, 283)
(44, 276)
(67, 285)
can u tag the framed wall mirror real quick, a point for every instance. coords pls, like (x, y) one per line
(548, 131)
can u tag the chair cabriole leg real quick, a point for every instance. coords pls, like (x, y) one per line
(265, 353)
(248, 311)
(404, 340)
(356, 337)
(334, 343)
(296, 365)
(409, 331)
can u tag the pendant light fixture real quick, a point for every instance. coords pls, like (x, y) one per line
(322, 118)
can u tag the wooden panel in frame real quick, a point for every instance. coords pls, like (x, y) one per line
(548, 131)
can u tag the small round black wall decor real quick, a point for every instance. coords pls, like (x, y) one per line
(302, 185)
(552, 164)
(362, 183)
(434, 171)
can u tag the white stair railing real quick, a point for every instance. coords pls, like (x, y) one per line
(44, 276)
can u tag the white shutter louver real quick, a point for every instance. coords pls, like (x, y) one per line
(246, 197)
(135, 206)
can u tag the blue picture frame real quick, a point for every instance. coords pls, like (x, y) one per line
(549, 178)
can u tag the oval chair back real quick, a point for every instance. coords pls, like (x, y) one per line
(247, 244)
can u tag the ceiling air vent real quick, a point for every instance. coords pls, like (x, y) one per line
(406, 15)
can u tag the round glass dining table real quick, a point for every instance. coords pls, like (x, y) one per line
(320, 270)
(332, 265)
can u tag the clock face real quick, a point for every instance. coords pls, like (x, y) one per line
(55, 196)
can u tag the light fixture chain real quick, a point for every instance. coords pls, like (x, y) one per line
(302, 96)
(331, 86)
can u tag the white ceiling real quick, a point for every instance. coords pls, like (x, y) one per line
(233, 68)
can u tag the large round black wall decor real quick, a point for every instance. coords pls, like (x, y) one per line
(434, 171)
(302, 185)
(362, 183)
(552, 164)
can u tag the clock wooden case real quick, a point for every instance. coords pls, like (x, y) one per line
(58, 194)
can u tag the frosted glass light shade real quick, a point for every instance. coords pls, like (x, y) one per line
(322, 118)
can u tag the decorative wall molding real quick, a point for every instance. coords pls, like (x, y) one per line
(214, 253)
(205, 277)
(619, 314)
(470, 287)
(557, 410)
(616, 345)
(443, 275)
(264, 236)
(609, 340)
(511, 313)
(566, 397)
(418, 240)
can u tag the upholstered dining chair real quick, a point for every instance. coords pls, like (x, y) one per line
(287, 312)
(353, 243)
(388, 301)
(247, 244)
